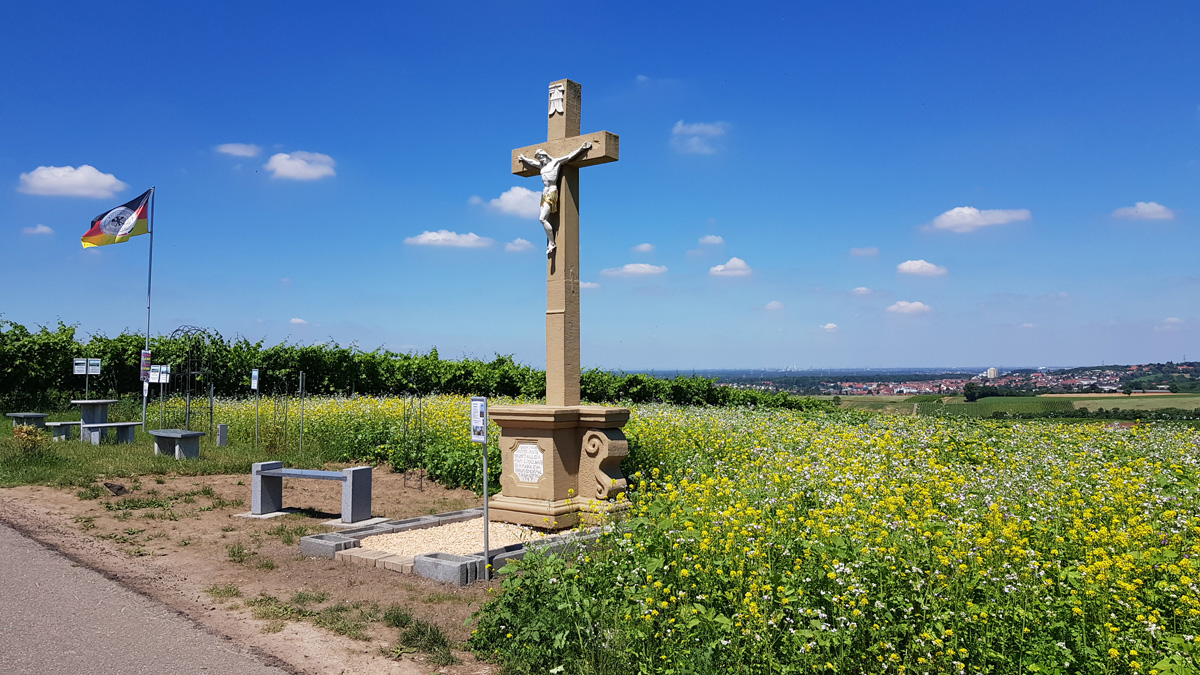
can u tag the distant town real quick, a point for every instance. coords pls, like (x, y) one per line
(1142, 378)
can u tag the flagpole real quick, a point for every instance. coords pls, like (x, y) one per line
(149, 280)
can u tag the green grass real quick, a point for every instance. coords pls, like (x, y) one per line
(1135, 402)
(1007, 404)
(79, 464)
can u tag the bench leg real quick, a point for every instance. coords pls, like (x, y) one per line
(356, 494)
(187, 448)
(266, 491)
(93, 436)
(125, 434)
(62, 433)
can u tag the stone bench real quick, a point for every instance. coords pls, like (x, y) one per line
(95, 432)
(62, 430)
(267, 488)
(28, 419)
(181, 443)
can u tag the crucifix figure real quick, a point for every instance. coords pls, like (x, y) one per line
(557, 161)
(548, 166)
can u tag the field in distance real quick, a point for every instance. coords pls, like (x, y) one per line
(1131, 402)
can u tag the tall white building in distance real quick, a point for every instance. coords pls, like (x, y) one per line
(991, 373)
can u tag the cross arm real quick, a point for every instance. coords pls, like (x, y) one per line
(605, 148)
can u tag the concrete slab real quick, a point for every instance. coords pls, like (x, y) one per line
(264, 516)
(326, 545)
(362, 523)
(396, 563)
(449, 568)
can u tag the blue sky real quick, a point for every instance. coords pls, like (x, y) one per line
(855, 184)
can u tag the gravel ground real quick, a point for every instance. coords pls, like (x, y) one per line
(462, 538)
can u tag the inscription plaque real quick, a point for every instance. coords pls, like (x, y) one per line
(527, 463)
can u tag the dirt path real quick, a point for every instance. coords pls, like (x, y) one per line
(182, 544)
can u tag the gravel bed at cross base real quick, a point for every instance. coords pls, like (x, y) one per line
(179, 541)
(461, 538)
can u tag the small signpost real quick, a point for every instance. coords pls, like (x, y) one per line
(144, 376)
(254, 388)
(479, 435)
(160, 375)
(86, 368)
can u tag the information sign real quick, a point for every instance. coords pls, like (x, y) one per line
(155, 374)
(478, 419)
(254, 379)
(81, 366)
(164, 374)
(145, 366)
(93, 366)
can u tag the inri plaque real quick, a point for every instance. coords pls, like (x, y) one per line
(527, 463)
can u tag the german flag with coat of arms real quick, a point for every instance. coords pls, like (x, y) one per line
(117, 225)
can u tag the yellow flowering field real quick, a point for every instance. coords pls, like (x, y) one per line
(775, 541)
(778, 542)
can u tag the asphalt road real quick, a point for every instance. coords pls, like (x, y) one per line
(59, 617)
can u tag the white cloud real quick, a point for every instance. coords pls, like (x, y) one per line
(448, 238)
(712, 239)
(300, 165)
(643, 248)
(969, 218)
(920, 268)
(696, 138)
(829, 327)
(861, 290)
(1026, 325)
(1145, 211)
(906, 307)
(37, 229)
(67, 181)
(774, 304)
(865, 252)
(736, 267)
(239, 149)
(517, 245)
(634, 270)
(515, 201)
(588, 284)
(298, 322)
(1171, 323)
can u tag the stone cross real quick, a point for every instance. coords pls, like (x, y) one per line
(562, 266)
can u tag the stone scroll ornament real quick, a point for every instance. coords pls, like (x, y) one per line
(600, 474)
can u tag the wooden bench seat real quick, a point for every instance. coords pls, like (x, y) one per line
(267, 488)
(95, 431)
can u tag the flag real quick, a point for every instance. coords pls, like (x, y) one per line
(117, 225)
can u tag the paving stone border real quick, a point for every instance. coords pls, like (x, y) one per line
(459, 570)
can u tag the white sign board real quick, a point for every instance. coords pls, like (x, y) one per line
(146, 388)
(93, 367)
(478, 419)
(527, 463)
(155, 374)
(254, 379)
(81, 366)
(164, 374)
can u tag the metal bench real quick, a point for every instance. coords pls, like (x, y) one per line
(61, 430)
(27, 419)
(95, 432)
(267, 488)
(178, 442)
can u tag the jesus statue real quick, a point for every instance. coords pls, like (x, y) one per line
(548, 167)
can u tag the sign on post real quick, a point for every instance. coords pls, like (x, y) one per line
(93, 366)
(81, 366)
(254, 379)
(164, 374)
(155, 374)
(478, 419)
(145, 375)
(479, 435)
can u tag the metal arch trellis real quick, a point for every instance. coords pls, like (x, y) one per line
(195, 364)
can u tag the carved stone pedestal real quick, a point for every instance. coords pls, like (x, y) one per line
(562, 464)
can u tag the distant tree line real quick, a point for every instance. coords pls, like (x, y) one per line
(1115, 413)
(36, 372)
(973, 391)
